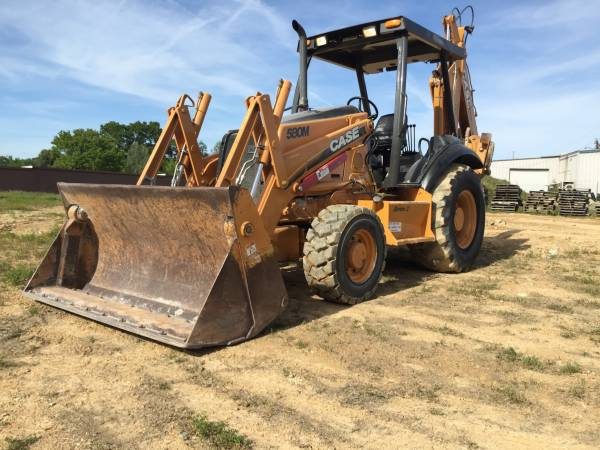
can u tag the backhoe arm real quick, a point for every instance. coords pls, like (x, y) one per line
(456, 113)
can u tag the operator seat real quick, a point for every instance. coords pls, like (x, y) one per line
(380, 160)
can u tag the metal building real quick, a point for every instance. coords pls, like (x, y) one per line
(580, 168)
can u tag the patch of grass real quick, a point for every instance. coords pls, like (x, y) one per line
(219, 435)
(21, 443)
(570, 368)
(514, 264)
(429, 393)
(508, 354)
(18, 241)
(163, 385)
(511, 394)
(425, 288)
(577, 252)
(468, 443)
(530, 362)
(595, 331)
(585, 281)
(513, 317)
(5, 362)
(301, 344)
(578, 390)
(572, 253)
(568, 334)
(522, 299)
(34, 310)
(478, 288)
(16, 275)
(447, 331)
(436, 412)
(20, 252)
(378, 331)
(560, 308)
(592, 304)
(595, 334)
(27, 201)
(364, 394)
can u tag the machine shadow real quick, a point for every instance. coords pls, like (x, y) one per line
(500, 247)
(401, 273)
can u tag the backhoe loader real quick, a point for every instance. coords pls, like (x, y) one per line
(197, 264)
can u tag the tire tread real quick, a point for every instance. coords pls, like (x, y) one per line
(320, 252)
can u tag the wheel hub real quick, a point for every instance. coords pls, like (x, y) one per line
(465, 219)
(459, 219)
(361, 256)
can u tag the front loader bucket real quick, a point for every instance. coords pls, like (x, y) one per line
(190, 267)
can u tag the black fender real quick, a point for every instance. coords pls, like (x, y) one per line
(443, 152)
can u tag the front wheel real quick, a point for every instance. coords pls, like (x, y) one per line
(344, 253)
(458, 222)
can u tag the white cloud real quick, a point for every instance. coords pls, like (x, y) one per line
(152, 51)
(555, 13)
(535, 65)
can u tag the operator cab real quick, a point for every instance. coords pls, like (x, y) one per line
(371, 48)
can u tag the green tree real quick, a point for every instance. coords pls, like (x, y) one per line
(106, 149)
(10, 161)
(170, 160)
(203, 148)
(46, 158)
(145, 133)
(87, 149)
(137, 155)
(168, 166)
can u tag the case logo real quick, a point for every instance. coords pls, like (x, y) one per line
(344, 139)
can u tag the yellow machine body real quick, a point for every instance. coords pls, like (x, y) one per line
(196, 264)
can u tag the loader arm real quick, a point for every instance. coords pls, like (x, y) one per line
(281, 175)
(184, 130)
(261, 123)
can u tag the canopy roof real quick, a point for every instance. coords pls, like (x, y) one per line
(348, 47)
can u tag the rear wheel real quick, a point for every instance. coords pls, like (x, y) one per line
(344, 253)
(458, 222)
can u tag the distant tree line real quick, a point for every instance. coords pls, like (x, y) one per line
(115, 147)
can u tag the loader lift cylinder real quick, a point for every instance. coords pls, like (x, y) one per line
(399, 114)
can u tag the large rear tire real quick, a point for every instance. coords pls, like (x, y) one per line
(458, 222)
(344, 254)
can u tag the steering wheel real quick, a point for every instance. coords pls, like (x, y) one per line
(362, 101)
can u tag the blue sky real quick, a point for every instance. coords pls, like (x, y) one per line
(67, 64)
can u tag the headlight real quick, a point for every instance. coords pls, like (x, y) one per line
(369, 32)
(321, 40)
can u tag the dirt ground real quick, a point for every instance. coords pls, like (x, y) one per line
(506, 355)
